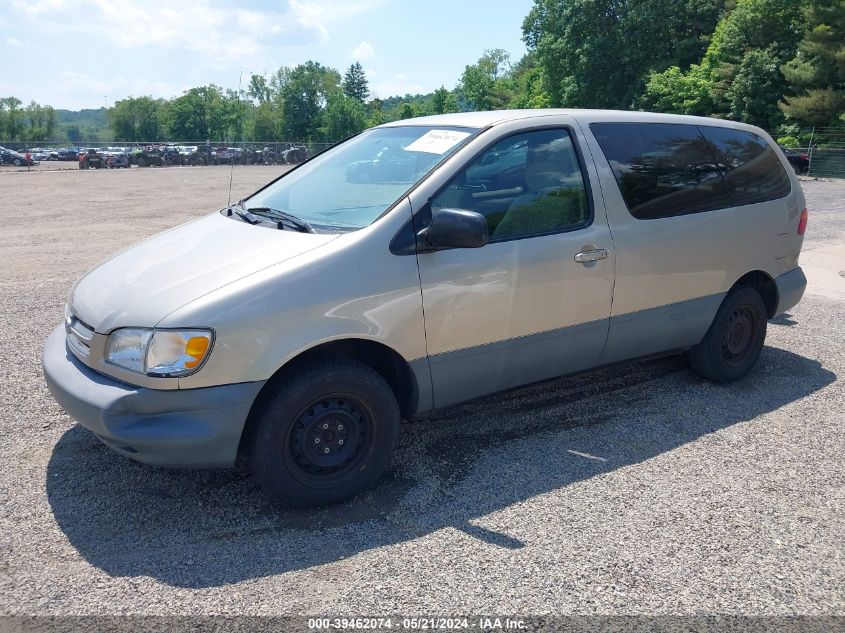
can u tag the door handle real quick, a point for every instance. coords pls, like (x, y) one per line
(591, 255)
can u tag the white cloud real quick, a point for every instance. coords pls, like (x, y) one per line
(16, 89)
(13, 42)
(220, 34)
(73, 84)
(363, 52)
(398, 85)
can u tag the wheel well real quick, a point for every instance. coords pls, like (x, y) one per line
(765, 285)
(385, 361)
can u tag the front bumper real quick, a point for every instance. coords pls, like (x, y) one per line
(187, 428)
(791, 288)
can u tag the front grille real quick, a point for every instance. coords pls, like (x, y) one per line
(79, 336)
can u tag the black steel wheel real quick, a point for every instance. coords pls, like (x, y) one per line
(323, 434)
(329, 438)
(739, 335)
(735, 339)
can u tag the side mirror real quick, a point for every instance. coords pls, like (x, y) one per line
(455, 228)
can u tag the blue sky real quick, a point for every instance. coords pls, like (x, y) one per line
(82, 53)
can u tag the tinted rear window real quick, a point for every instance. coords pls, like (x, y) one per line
(753, 171)
(667, 169)
(662, 169)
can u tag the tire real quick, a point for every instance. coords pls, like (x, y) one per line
(341, 406)
(17, 162)
(733, 343)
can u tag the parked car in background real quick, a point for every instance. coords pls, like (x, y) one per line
(299, 326)
(225, 154)
(91, 158)
(390, 164)
(115, 157)
(295, 154)
(148, 156)
(800, 161)
(67, 153)
(40, 154)
(11, 157)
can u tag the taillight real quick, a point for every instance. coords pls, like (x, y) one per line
(802, 223)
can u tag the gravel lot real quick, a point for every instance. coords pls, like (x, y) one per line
(635, 490)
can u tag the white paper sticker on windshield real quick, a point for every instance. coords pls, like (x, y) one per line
(437, 141)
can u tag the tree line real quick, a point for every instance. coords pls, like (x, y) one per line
(33, 121)
(778, 64)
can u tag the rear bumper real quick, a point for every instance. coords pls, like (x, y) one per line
(791, 288)
(186, 428)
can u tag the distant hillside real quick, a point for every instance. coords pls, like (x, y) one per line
(89, 125)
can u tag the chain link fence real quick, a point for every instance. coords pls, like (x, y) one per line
(161, 153)
(820, 151)
(816, 152)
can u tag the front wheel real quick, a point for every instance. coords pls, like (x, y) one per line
(733, 343)
(325, 434)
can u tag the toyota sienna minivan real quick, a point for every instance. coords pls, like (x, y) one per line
(420, 264)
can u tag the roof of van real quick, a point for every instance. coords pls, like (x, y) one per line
(494, 117)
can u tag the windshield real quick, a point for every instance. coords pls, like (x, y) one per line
(350, 185)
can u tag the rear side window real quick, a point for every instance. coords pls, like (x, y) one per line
(662, 169)
(668, 169)
(753, 171)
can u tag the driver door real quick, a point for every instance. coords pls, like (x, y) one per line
(522, 308)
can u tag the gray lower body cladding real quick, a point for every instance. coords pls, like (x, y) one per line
(188, 428)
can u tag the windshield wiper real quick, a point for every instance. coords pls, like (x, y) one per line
(246, 216)
(282, 216)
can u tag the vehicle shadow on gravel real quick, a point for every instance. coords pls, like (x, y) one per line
(209, 528)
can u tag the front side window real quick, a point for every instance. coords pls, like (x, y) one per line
(662, 169)
(525, 185)
(350, 185)
(753, 171)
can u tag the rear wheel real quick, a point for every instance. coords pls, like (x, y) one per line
(324, 435)
(733, 343)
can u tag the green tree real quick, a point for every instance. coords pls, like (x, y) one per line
(407, 111)
(259, 89)
(376, 114)
(304, 93)
(137, 119)
(344, 117)
(679, 93)
(74, 133)
(266, 123)
(355, 83)
(443, 101)
(199, 114)
(10, 118)
(773, 26)
(755, 90)
(817, 72)
(598, 53)
(525, 86)
(39, 122)
(738, 76)
(479, 82)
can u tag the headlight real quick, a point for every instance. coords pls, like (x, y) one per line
(165, 353)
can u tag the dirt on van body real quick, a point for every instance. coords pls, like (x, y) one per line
(635, 490)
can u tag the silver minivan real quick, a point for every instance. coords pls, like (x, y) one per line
(420, 264)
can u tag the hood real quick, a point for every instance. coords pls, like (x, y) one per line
(141, 285)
